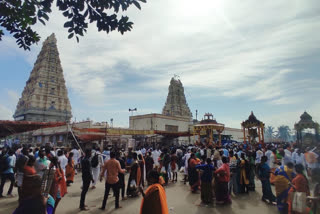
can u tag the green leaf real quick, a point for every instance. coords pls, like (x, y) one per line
(65, 13)
(45, 16)
(34, 20)
(86, 13)
(70, 35)
(42, 21)
(137, 4)
(68, 24)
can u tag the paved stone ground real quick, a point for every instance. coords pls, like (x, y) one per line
(180, 201)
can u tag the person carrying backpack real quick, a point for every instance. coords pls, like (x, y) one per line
(96, 163)
(8, 162)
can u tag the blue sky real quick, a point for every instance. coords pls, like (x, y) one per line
(233, 57)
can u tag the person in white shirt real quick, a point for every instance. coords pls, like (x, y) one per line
(259, 155)
(31, 152)
(76, 157)
(96, 163)
(299, 158)
(155, 156)
(273, 165)
(41, 163)
(53, 153)
(186, 159)
(143, 151)
(63, 160)
(268, 154)
(294, 153)
(287, 157)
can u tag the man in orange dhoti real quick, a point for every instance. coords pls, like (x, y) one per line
(154, 199)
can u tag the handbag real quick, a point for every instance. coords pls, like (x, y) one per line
(299, 202)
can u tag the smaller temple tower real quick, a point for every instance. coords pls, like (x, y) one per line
(45, 96)
(176, 104)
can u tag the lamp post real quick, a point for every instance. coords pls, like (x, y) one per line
(102, 144)
(196, 115)
(132, 110)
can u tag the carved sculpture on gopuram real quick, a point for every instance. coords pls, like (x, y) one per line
(176, 104)
(45, 96)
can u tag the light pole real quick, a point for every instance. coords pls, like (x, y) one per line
(132, 110)
(197, 115)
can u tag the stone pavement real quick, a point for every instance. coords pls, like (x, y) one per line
(180, 201)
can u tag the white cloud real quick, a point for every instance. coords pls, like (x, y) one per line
(229, 48)
(5, 113)
(13, 96)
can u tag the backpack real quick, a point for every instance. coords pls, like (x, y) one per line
(95, 161)
(4, 165)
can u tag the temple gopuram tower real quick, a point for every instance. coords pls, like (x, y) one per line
(45, 96)
(176, 104)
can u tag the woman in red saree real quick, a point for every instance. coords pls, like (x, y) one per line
(299, 184)
(70, 170)
(58, 186)
(193, 173)
(223, 177)
(154, 199)
(29, 167)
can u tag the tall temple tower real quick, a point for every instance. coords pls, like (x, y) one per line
(176, 104)
(45, 96)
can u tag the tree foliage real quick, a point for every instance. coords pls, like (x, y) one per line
(269, 133)
(19, 16)
(284, 133)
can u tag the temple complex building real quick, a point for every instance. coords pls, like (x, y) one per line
(45, 96)
(176, 115)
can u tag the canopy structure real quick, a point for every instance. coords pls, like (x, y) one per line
(255, 128)
(306, 122)
(8, 127)
(207, 126)
(91, 134)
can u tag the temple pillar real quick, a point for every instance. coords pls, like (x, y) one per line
(194, 135)
(259, 134)
(220, 143)
(101, 145)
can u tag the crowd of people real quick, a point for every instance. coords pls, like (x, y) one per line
(43, 174)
